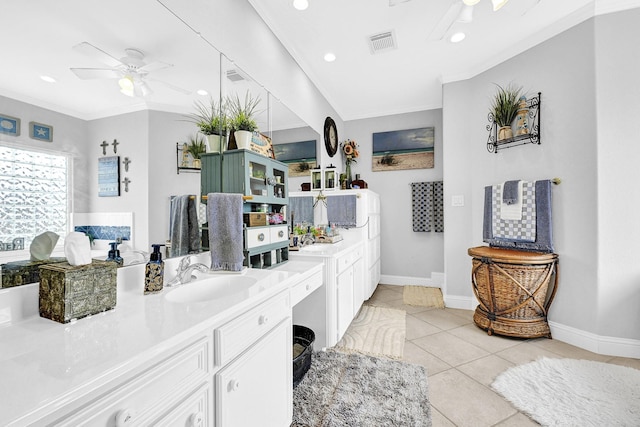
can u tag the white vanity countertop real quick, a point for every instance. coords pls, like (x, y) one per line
(44, 364)
(324, 249)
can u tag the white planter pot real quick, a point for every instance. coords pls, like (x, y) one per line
(216, 143)
(243, 139)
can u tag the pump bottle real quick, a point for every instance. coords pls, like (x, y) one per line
(114, 254)
(154, 271)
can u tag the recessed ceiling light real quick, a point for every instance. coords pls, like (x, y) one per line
(329, 57)
(48, 79)
(300, 4)
(457, 37)
(202, 92)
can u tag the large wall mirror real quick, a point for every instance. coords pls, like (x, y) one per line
(86, 106)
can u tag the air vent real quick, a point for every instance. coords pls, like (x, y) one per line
(235, 75)
(382, 42)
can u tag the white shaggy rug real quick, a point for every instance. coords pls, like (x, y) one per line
(568, 392)
(376, 331)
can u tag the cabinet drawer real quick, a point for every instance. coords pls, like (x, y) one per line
(348, 259)
(241, 332)
(301, 290)
(194, 411)
(279, 234)
(258, 237)
(141, 401)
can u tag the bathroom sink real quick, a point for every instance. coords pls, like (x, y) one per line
(219, 288)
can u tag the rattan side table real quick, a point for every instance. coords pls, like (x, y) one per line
(515, 290)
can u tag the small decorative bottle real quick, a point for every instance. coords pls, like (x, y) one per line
(154, 272)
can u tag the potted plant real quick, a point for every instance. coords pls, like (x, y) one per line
(196, 148)
(505, 109)
(212, 121)
(242, 121)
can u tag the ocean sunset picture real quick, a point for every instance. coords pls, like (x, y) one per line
(403, 149)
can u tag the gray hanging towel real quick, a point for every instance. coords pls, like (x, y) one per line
(301, 209)
(422, 205)
(438, 206)
(510, 192)
(184, 227)
(341, 211)
(224, 211)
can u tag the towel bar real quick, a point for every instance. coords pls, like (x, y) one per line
(243, 197)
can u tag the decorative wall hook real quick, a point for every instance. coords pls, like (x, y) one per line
(126, 182)
(104, 147)
(126, 162)
(556, 181)
(115, 145)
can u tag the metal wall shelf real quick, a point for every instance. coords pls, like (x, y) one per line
(533, 126)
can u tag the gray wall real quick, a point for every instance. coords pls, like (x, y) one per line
(585, 142)
(403, 253)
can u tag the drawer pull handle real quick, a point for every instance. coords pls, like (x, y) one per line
(263, 319)
(261, 237)
(196, 419)
(124, 417)
(280, 233)
(233, 385)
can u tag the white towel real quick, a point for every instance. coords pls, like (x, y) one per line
(514, 210)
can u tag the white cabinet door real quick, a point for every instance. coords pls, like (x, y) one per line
(256, 388)
(344, 300)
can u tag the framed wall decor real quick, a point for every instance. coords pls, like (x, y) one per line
(261, 144)
(299, 156)
(403, 149)
(40, 132)
(9, 125)
(109, 176)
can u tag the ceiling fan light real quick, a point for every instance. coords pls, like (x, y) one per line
(466, 15)
(470, 2)
(497, 4)
(143, 89)
(126, 83)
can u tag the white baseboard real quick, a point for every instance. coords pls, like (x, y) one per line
(436, 280)
(461, 302)
(611, 346)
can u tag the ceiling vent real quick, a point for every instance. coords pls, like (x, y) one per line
(236, 75)
(382, 42)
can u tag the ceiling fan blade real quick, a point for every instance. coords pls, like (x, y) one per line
(99, 54)
(445, 23)
(153, 66)
(96, 73)
(169, 85)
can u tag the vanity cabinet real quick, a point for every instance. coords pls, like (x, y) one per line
(176, 391)
(263, 181)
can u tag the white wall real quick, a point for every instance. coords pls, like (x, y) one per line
(403, 252)
(581, 85)
(618, 107)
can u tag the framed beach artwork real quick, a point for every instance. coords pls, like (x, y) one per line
(300, 157)
(403, 149)
(9, 125)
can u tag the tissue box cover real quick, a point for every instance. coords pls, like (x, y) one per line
(18, 273)
(71, 292)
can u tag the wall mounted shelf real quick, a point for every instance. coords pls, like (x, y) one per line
(184, 161)
(532, 124)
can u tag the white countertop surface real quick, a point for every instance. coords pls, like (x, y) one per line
(44, 363)
(323, 250)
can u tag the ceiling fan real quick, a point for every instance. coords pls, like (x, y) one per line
(131, 70)
(459, 11)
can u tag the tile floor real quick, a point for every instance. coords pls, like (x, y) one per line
(462, 361)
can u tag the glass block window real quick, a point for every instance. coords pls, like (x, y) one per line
(34, 194)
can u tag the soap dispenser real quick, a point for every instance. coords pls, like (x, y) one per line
(154, 272)
(114, 254)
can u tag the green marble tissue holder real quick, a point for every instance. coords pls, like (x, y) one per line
(72, 292)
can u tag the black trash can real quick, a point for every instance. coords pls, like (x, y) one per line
(303, 339)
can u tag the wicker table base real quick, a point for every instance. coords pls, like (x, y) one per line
(515, 290)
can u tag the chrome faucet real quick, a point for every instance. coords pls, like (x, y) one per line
(185, 270)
